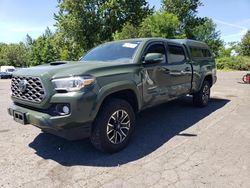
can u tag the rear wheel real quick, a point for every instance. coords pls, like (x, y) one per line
(201, 98)
(113, 126)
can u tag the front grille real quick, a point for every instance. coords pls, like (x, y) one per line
(27, 88)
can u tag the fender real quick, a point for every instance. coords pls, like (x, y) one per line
(203, 76)
(114, 87)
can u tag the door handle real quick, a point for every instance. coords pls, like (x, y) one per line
(166, 71)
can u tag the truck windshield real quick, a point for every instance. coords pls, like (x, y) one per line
(114, 51)
(10, 70)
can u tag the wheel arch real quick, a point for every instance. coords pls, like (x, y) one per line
(209, 78)
(122, 90)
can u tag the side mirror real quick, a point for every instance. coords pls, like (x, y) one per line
(154, 58)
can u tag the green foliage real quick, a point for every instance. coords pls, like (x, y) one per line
(161, 24)
(83, 24)
(128, 31)
(52, 47)
(225, 52)
(67, 49)
(233, 63)
(28, 41)
(3, 47)
(183, 9)
(194, 27)
(43, 50)
(13, 54)
(186, 11)
(207, 33)
(245, 44)
(232, 49)
(235, 46)
(90, 22)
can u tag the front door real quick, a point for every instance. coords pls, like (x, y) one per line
(156, 77)
(168, 79)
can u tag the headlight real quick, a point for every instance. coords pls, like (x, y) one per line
(73, 83)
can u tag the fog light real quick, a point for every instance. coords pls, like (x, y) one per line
(62, 109)
(65, 109)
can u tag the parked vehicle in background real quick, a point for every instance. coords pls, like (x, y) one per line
(7, 69)
(99, 95)
(5, 75)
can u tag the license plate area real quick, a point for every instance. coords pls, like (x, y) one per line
(19, 117)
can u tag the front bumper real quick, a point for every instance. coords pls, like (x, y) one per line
(76, 125)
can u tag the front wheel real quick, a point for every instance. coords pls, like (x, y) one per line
(113, 126)
(201, 98)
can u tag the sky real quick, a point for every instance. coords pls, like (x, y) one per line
(17, 18)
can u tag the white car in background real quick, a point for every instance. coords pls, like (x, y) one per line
(7, 69)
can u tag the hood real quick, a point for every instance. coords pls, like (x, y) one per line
(68, 68)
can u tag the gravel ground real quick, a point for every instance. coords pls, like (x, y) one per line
(174, 145)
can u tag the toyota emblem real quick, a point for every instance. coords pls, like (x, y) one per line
(22, 85)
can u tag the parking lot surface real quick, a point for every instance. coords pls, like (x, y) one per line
(174, 145)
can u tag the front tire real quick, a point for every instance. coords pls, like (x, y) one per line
(201, 98)
(113, 126)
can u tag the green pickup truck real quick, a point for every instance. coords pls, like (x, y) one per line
(99, 95)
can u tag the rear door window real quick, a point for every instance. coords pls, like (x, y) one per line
(200, 53)
(196, 52)
(176, 54)
(206, 53)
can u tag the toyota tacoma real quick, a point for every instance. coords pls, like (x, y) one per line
(99, 95)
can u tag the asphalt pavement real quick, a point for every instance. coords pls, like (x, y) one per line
(174, 145)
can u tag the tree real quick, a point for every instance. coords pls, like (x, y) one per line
(3, 60)
(194, 27)
(28, 40)
(67, 49)
(186, 11)
(229, 50)
(225, 52)
(44, 49)
(13, 54)
(207, 33)
(128, 31)
(161, 24)
(183, 9)
(90, 22)
(245, 44)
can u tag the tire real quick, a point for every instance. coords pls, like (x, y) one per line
(245, 78)
(113, 126)
(201, 98)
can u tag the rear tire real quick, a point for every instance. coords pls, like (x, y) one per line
(113, 126)
(201, 98)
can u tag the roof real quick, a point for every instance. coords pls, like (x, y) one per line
(187, 42)
(190, 42)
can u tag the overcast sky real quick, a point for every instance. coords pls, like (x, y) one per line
(19, 17)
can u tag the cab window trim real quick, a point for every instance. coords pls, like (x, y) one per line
(153, 43)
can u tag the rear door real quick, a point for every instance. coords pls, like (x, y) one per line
(180, 70)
